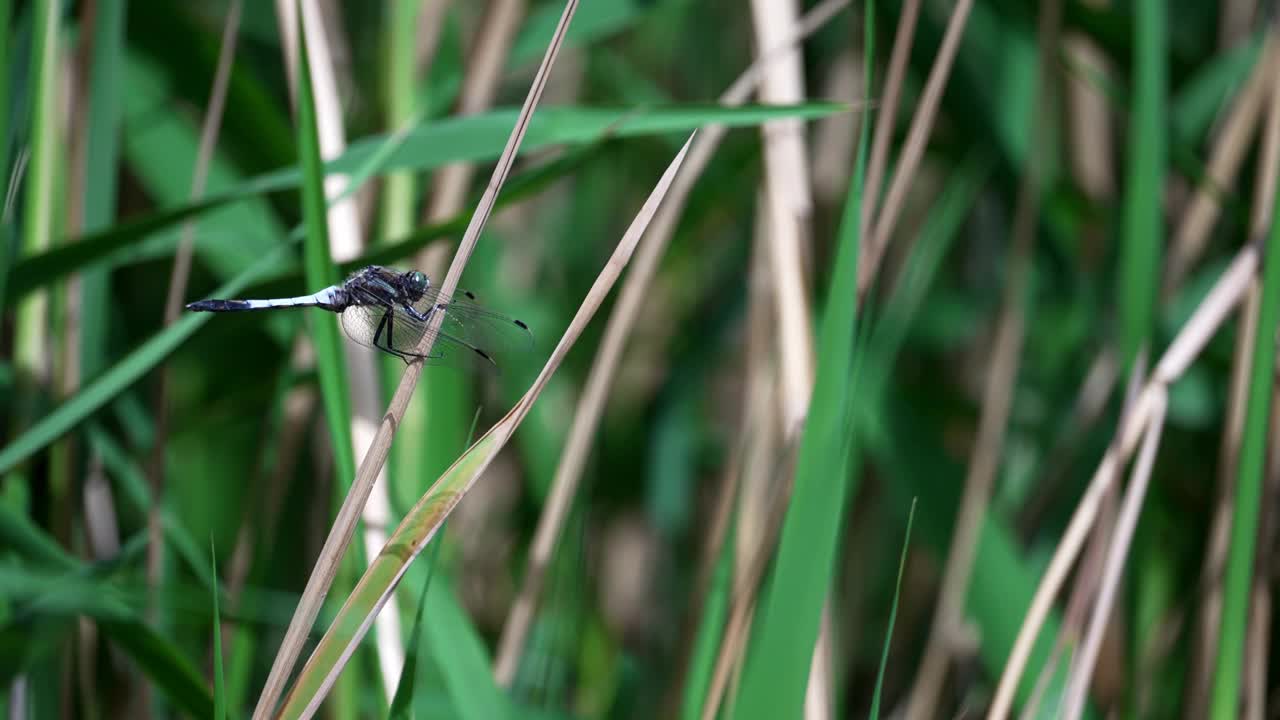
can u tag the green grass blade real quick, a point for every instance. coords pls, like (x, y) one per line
(1143, 225)
(401, 702)
(6, 225)
(428, 146)
(320, 272)
(715, 613)
(781, 649)
(102, 152)
(31, 317)
(893, 615)
(1238, 583)
(219, 681)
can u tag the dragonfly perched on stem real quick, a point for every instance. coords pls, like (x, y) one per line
(393, 311)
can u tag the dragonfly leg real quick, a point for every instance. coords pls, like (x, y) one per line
(386, 322)
(413, 312)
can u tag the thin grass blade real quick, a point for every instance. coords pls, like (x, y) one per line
(1238, 583)
(893, 615)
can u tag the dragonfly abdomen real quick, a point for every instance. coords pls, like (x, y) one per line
(331, 298)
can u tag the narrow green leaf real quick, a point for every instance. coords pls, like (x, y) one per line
(401, 703)
(219, 681)
(893, 615)
(706, 644)
(1143, 225)
(31, 317)
(1238, 583)
(6, 224)
(781, 649)
(320, 272)
(102, 152)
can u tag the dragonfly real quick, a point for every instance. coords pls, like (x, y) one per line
(394, 311)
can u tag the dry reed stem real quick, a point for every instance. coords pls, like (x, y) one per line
(376, 457)
(604, 367)
(1224, 163)
(786, 179)
(878, 234)
(1089, 122)
(1117, 553)
(790, 201)
(1186, 346)
(479, 88)
(885, 119)
(997, 398)
(835, 137)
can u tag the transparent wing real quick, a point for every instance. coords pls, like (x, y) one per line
(469, 334)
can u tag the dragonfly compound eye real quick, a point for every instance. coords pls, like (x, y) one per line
(416, 283)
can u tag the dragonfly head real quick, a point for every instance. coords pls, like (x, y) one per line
(415, 284)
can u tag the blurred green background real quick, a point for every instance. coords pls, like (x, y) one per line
(1055, 195)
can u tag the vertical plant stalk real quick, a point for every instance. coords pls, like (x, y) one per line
(622, 319)
(790, 207)
(1248, 492)
(1209, 623)
(31, 338)
(997, 398)
(912, 153)
(375, 457)
(1143, 228)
